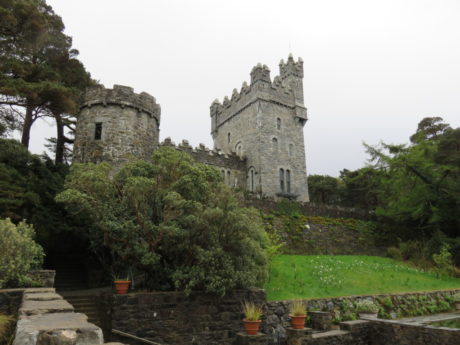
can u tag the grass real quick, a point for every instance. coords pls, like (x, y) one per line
(317, 276)
(5, 328)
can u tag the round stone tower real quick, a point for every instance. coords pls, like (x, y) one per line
(116, 125)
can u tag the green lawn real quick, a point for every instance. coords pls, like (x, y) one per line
(316, 276)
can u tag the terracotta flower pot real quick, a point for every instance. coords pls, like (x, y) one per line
(251, 327)
(298, 321)
(122, 286)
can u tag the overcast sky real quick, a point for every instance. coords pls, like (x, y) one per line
(373, 69)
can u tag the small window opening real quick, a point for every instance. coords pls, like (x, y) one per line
(98, 131)
(288, 181)
(275, 144)
(228, 138)
(278, 123)
(282, 180)
(291, 147)
(251, 180)
(228, 178)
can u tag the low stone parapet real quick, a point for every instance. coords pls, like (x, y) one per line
(45, 318)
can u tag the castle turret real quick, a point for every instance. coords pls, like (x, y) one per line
(115, 125)
(291, 74)
(260, 73)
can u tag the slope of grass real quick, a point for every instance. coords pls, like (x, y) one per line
(305, 276)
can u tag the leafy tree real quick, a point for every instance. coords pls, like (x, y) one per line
(324, 189)
(361, 188)
(19, 253)
(28, 185)
(420, 187)
(174, 220)
(36, 58)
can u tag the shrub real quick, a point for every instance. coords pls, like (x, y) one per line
(443, 262)
(366, 307)
(19, 253)
(6, 328)
(456, 297)
(172, 220)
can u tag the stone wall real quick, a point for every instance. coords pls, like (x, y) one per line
(44, 278)
(311, 209)
(232, 167)
(384, 332)
(277, 312)
(173, 318)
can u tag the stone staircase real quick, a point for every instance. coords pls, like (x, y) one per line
(85, 304)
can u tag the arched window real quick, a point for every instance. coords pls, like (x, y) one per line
(275, 144)
(239, 150)
(278, 123)
(223, 175)
(288, 181)
(282, 180)
(251, 180)
(290, 149)
(228, 137)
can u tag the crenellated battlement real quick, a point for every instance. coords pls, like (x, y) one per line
(200, 149)
(123, 96)
(261, 88)
(291, 68)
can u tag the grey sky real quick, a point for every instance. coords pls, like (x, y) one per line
(373, 69)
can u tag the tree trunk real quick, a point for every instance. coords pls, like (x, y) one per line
(28, 121)
(60, 142)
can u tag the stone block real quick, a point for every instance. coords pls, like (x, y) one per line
(42, 296)
(296, 336)
(244, 339)
(32, 307)
(57, 329)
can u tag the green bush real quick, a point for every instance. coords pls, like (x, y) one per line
(172, 220)
(443, 261)
(19, 253)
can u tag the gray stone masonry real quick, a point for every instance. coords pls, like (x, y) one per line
(296, 336)
(244, 339)
(45, 318)
(116, 125)
(263, 123)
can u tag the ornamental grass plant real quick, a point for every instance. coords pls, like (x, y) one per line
(297, 308)
(252, 311)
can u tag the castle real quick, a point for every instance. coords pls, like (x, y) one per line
(257, 133)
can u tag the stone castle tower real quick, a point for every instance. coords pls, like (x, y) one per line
(258, 132)
(116, 124)
(263, 123)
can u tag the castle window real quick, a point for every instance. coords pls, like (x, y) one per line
(223, 175)
(228, 138)
(239, 150)
(288, 181)
(229, 182)
(290, 149)
(98, 131)
(275, 144)
(251, 180)
(278, 123)
(282, 180)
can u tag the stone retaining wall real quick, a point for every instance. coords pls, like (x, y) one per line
(277, 312)
(10, 300)
(174, 318)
